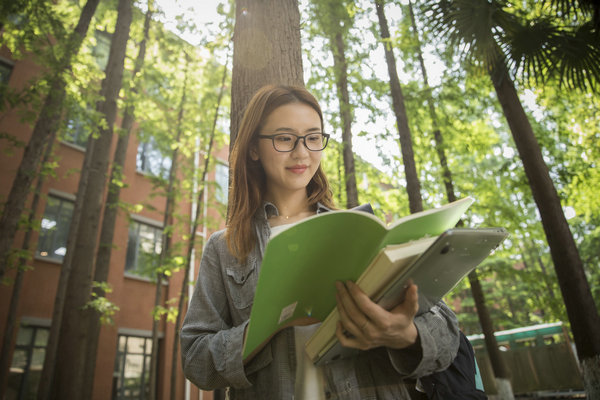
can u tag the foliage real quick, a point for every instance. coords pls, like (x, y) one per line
(104, 307)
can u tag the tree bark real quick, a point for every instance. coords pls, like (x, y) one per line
(166, 236)
(11, 318)
(46, 124)
(68, 376)
(498, 365)
(580, 306)
(111, 208)
(340, 64)
(266, 50)
(192, 239)
(413, 185)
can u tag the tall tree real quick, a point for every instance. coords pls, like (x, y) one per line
(167, 233)
(266, 50)
(499, 368)
(68, 376)
(191, 243)
(413, 186)
(111, 208)
(575, 52)
(11, 317)
(47, 123)
(334, 21)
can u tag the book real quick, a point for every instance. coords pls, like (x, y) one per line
(296, 282)
(435, 265)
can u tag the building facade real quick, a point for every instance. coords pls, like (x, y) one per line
(123, 358)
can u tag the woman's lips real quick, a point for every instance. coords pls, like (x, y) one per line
(297, 169)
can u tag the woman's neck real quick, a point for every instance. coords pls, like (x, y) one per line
(291, 208)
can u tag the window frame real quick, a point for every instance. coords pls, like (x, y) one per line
(158, 229)
(37, 324)
(63, 198)
(119, 370)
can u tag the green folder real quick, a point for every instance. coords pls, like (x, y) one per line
(296, 283)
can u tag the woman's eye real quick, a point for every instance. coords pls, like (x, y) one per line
(283, 138)
(314, 138)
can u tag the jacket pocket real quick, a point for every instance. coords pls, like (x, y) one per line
(241, 284)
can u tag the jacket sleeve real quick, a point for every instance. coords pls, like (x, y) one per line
(436, 346)
(211, 348)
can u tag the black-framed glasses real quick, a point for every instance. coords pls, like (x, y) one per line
(286, 142)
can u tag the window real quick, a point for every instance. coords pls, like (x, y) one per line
(143, 249)
(132, 368)
(151, 160)
(52, 243)
(27, 362)
(77, 126)
(102, 48)
(222, 179)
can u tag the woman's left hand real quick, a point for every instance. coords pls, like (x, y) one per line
(365, 325)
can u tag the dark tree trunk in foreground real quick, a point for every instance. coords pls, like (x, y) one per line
(46, 124)
(413, 185)
(71, 355)
(581, 309)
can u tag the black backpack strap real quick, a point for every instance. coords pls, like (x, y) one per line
(457, 382)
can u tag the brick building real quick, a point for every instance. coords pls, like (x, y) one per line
(124, 350)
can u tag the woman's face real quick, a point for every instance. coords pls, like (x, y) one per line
(288, 172)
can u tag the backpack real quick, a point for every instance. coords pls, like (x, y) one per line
(457, 382)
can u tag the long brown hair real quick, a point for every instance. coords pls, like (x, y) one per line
(248, 183)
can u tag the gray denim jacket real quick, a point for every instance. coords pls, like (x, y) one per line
(213, 330)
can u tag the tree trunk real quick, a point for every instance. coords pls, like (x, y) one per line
(266, 50)
(413, 185)
(341, 80)
(68, 377)
(580, 306)
(111, 208)
(500, 371)
(47, 375)
(192, 239)
(11, 326)
(498, 365)
(440, 147)
(46, 124)
(166, 237)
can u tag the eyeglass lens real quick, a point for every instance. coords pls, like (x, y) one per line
(286, 142)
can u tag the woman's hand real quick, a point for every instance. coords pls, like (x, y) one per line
(365, 325)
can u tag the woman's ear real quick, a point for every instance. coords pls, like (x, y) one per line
(254, 153)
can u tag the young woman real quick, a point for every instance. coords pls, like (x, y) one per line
(277, 180)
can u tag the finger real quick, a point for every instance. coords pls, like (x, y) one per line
(347, 299)
(410, 305)
(366, 306)
(348, 322)
(347, 340)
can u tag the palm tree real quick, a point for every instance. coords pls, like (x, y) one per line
(539, 49)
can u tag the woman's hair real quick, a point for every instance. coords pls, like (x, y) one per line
(249, 183)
